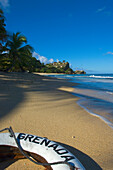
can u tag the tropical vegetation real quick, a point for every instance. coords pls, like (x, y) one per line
(18, 53)
(3, 33)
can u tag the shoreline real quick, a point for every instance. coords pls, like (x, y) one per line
(43, 74)
(106, 120)
(110, 124)
(44, 106)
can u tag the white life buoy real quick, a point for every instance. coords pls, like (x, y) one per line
(50, 151)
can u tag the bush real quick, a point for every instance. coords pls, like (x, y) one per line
(69, 71)
(43, 70)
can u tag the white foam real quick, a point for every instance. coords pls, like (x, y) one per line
(96, 115)
(109, 92)
(102, 77)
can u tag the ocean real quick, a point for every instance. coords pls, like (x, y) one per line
(95, 92)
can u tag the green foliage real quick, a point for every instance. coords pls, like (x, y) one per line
(37, 70)
(50, 68)
(3, 34)
(69, 71)
(4, 62)
(20, 55)
(34, 65)
(43, 70)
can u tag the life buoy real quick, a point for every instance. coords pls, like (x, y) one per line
(42, 148)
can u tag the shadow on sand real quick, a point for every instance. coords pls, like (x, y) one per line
(86, 161)
(13, 87)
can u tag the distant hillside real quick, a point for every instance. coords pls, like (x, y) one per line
(61, 65)
(58, 67)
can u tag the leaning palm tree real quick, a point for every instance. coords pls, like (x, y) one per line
(18, 52)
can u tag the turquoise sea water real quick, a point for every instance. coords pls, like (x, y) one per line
(96, 94)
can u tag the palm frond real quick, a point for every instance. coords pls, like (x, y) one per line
(26, 48)
(22, 39)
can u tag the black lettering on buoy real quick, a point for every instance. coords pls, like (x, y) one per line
(61, 151)
(21, 135)
(36, 139)
(46, 141)
(68, 158)
(54, 146)
(29, 137)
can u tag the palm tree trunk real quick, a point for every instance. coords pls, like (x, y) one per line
(21, 68)
(20, 65)
(7, 70)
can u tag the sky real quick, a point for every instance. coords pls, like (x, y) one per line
(77, 31)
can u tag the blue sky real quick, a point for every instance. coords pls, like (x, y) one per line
(77, 31)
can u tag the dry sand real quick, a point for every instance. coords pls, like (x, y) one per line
(45, 107)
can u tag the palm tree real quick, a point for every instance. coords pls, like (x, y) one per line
(18, 52)
(3, 34)
(3, 38)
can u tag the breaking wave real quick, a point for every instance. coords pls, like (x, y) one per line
(102, 77)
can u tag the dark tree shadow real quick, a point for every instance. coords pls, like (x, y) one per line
(13, 87)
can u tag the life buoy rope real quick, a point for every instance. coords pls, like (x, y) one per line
(12, 134)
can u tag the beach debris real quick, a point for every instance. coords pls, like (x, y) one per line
(73, 136)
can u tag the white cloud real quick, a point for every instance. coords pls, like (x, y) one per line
(51, 60)
(70, 65)
(111, 53)
(104, 11)
(42, 58)
(35, 54)
(57, 60)
(4, 4)
(100, 9)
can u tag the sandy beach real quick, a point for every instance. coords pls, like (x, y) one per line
(44, 106)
